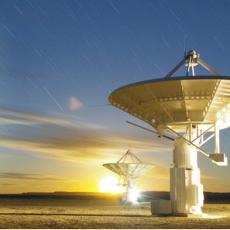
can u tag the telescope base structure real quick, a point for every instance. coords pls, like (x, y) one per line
(186, 191)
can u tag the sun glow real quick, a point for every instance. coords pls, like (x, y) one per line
(110, 184)
(133, 195)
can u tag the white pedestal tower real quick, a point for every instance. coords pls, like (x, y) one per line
(186, 191)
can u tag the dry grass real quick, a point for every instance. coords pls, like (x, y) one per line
(73, 213)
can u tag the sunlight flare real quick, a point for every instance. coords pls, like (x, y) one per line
(110, 184)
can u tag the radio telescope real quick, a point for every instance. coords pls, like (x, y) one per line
(129, 168)
(193, 109)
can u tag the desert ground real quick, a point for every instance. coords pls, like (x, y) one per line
(91, 212)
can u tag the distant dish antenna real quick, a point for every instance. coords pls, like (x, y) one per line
(191, 108)
(129, 168)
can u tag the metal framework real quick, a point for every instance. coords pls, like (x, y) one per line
(190, 61)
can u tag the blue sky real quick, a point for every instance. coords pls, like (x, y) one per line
(55, 54)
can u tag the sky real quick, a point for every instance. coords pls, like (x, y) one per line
(60, 60)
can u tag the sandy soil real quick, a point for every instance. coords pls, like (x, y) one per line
(73, 213)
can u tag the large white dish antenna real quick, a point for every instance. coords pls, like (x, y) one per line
(175, 101)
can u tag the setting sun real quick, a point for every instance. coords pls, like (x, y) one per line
(110, 184)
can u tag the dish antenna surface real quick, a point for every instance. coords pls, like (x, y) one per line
(129, 168)
(194, 109)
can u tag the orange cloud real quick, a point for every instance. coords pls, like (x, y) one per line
(65, 139)
(26, 176)
(74, 104)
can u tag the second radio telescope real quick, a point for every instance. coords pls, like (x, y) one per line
(129, 168)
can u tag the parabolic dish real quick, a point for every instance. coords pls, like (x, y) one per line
(128, 169)
(174, 101)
